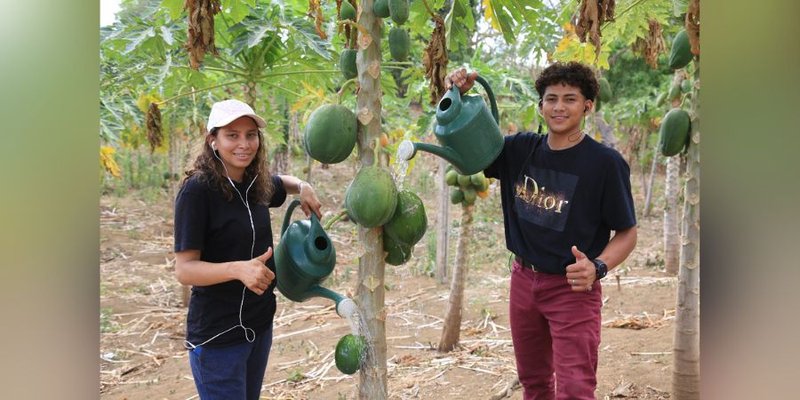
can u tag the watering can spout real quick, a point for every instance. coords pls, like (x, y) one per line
(407, 150)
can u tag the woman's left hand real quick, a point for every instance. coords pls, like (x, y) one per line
(309, 201)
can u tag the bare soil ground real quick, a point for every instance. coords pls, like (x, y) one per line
(142, 313)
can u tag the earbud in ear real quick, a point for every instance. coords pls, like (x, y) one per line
(214, 145)
(586, 109)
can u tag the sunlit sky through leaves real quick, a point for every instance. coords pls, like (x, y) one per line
(107, 10)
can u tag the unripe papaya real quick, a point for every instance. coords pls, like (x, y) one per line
(371, 198)
(451, 177)
(398, 9)
(456, 196)
(483, 185)
(476, 179)
(686, 86)
(464, 181)
(409, 222)
(605, 89)
(661, 99)
(330, 134)
(681, 53)
(396, 253)
(674, 92)
(399, 43)
(347, 63)
(381, 8)
(470, 195)
(347, 11)
(674, 132)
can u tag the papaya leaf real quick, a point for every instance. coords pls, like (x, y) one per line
(137, 38)
(308, 38)
(174, 7)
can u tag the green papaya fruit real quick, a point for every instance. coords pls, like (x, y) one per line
(396, 253)
(674, 92)
(350, 351)
(476, 179)
(464, 181)
(330, 134)
(674, 132)
(456, 196)
(661, 99)
(381, 8)
(409, 222)
(347, 11)
(451, 177)
(484, 184)
(347, 63)
(470, 195)
(398, 9)
(686, 86)
(371, 198)
(681, 52)
(399, 43)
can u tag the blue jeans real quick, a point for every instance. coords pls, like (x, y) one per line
(231, 372)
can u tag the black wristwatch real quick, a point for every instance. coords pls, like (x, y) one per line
(600, 268)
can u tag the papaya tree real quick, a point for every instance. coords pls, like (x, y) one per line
(466, 190)
(686, 352)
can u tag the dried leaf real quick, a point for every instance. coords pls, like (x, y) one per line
(435, 60)
(315, 10)
(649, 48)
(692, 24)
(200, 24)
(153, 123)
(592, 14)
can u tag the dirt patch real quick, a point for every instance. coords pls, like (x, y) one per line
(142, 313)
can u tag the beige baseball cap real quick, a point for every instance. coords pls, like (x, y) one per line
(226, 111)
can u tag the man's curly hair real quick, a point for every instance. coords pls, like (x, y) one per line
(209, 169)
(572, 74)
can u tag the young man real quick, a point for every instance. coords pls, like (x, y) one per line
(563, 194)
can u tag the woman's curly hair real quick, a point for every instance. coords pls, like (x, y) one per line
(209, 169)
(572, 74)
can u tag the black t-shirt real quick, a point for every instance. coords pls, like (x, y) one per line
(220, 229)
(554, 199)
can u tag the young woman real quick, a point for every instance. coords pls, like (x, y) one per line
(223, 249)
(563, 194)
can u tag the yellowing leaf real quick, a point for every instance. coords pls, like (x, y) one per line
(107, 161)
(488, 13)
(144, 100)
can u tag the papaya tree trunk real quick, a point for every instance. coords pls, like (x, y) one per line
(672, 246)
(452, 320)
(606, 131)
(371, 267)
(686, 352)
(649, 196)
(280, 155)
(442, 223)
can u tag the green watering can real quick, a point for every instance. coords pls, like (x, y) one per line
(304, 257)
(469, 135)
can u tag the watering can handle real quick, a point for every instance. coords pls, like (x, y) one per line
(492, 100)
(288, 216)
(289, 211)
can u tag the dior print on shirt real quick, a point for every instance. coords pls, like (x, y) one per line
(545, 198)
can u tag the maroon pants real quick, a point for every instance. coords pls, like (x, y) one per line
(556, 334)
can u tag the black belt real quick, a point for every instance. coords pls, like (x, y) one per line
(524, 263)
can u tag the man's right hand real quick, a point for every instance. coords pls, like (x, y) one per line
(255, 274)
(461, 79)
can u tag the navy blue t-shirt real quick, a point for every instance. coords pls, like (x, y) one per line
(220, 229)
(554, 199)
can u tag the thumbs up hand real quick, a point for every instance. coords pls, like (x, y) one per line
(581, 274)
(254, 273)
